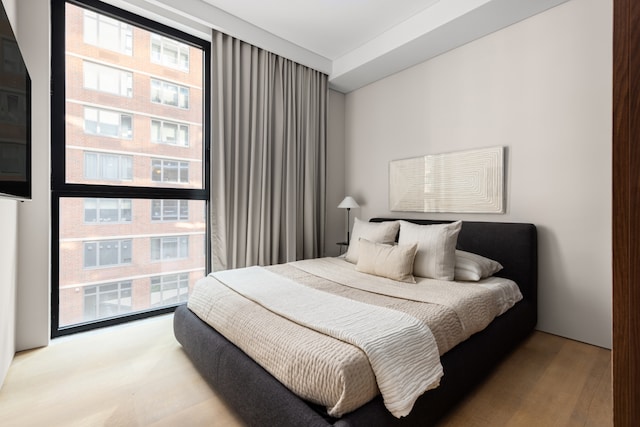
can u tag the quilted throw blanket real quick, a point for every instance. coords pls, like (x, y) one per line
(323, 363)
(401, 349)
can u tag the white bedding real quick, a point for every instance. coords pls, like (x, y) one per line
(327, 370)
(455, 295)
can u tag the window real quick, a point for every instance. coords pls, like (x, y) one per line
(105, 253)
(108, 79)
(108, 33)
(169, 289)
(169, 171)
(11, 157)
(108, 123)
(170, 53)
(129, 175)
(170, 210)
(168, 248)
(169, 94)
(97, 211)
(11, 62)
(13, 108)
(108, 167)
(110, 299)
(170, 133)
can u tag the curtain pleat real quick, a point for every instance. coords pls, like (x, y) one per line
(268, 157)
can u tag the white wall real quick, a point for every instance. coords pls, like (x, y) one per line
(8, 266)
(335, 230)
(543, 89)
(8, 259)
(33, 294)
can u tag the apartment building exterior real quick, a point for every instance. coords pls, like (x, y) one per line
(134, 117)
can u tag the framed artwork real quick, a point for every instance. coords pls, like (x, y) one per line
(469, 181)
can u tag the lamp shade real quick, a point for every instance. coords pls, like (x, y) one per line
(348, 203)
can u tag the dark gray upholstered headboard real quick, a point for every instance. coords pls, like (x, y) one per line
(514, 245)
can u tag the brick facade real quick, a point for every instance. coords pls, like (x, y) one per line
(137, 228)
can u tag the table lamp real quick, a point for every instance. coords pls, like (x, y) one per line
(347, 204)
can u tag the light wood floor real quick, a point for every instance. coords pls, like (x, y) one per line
(138, 375)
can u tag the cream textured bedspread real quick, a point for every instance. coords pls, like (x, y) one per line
(401, 349)
(319, 367)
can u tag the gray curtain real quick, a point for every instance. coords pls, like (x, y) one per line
(268, 157)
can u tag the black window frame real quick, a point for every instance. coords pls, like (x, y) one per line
(61, 189)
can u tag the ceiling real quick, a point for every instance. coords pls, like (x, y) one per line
(331, 28)
(355, 42)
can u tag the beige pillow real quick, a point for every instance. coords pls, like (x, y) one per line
(378, 232)
(392, 262)
(436, 256)
(474, 267)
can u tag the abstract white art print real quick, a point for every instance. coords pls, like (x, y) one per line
(469, 181)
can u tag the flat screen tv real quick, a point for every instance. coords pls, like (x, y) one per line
(15, 116)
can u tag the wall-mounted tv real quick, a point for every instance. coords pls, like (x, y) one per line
(15, 116)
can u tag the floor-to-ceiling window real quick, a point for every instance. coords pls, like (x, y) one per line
(129, 171)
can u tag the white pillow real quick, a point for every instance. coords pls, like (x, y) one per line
(378, 232)
(436, 257)
(390, 261)
(474, 267)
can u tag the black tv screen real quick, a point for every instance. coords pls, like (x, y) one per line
(15, 116)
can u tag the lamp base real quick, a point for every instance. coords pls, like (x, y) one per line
(348, 226)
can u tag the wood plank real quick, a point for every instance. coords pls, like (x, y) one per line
(548, 381)
(626, 212)
(137, 374)
(134, 374)
(633, 302)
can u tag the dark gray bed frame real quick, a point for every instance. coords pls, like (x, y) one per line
(261, 400)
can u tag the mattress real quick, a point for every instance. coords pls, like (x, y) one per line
(326, 370)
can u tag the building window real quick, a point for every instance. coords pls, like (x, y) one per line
(99, 211)
(108, 79)
(163, 132)
(108, 33)
(13, 108)
(170, 53)
(105, 253)
(108, 123)
(169, 94)
(169, 289)
(107, 300)
(170, 210)
(168, 248)
(108, 167)
(169, 171)
(11, 62)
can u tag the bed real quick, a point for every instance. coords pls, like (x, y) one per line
(260, 399)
